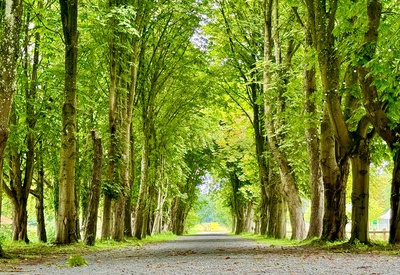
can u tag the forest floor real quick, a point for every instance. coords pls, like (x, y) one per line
(216, 253)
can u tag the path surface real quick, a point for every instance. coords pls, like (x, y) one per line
(221, 254)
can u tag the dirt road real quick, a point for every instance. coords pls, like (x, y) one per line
(221, 254)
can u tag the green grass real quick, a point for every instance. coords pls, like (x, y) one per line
(76, 260)
(270, 241)
(17, 251)
(337, 247)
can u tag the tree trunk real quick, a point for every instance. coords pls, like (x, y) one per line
(335, 170)
(129, 208)
(177, 217)
(313, 143)
(40, 217)
(119, 220)
(263, 210)
(263, 168)
(113, 159)
(128, 217)
(1, 191)
(20, 219)
(237, 201)
(290, 189)
(18, 192)
(66, 218)
(150, 207)
(140, 226)
(9, 51)
(360, 160)
(249, 217)
(360, 194)
(161, 198)
(276, 208)
(1, 200)
(90, 222)
(106, 225)
(317, 187)
(394, 236)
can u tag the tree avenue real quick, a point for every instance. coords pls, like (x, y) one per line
(124, 115)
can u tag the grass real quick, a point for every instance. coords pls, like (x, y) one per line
(35, 251)
(270, 241)
(336, 247)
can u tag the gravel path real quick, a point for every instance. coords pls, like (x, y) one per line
(221, 254)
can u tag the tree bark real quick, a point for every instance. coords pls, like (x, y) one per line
(140, 224)
(66, 218)
(9, 52)
(106, 225)
(162, 195)
(9, 49)
(40, 217)
(1, 191)
(360, 160)
(20, 221)
(313, 142)
(276, 207)
(263, 169)
(394, 236)
(18, 193)
(177, 217)
(248, 217)
(90, 222)
(360, 193)
(335, 170)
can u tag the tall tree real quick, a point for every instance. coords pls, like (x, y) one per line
(66, 216)
(167, 43)
(274, 95)
(312, 112)
(124, 45)
(238, 46)
(10, 24)
(22, 161)
(196, 163)
(379, 107)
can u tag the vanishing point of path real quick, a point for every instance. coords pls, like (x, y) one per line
(221, 254)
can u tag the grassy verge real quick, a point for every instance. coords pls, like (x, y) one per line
(21, 252)
(335, 247)
(270, 241)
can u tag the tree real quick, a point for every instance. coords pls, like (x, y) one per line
(196, 165)
(380, 108)
(237, 46)
(90, 221)
(10, 23)
(271, 84)
(66, 217)
(166, 51)
(312, 112)
(126, 24)
(22, 160)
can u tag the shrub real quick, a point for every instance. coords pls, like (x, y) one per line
(76, 260)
